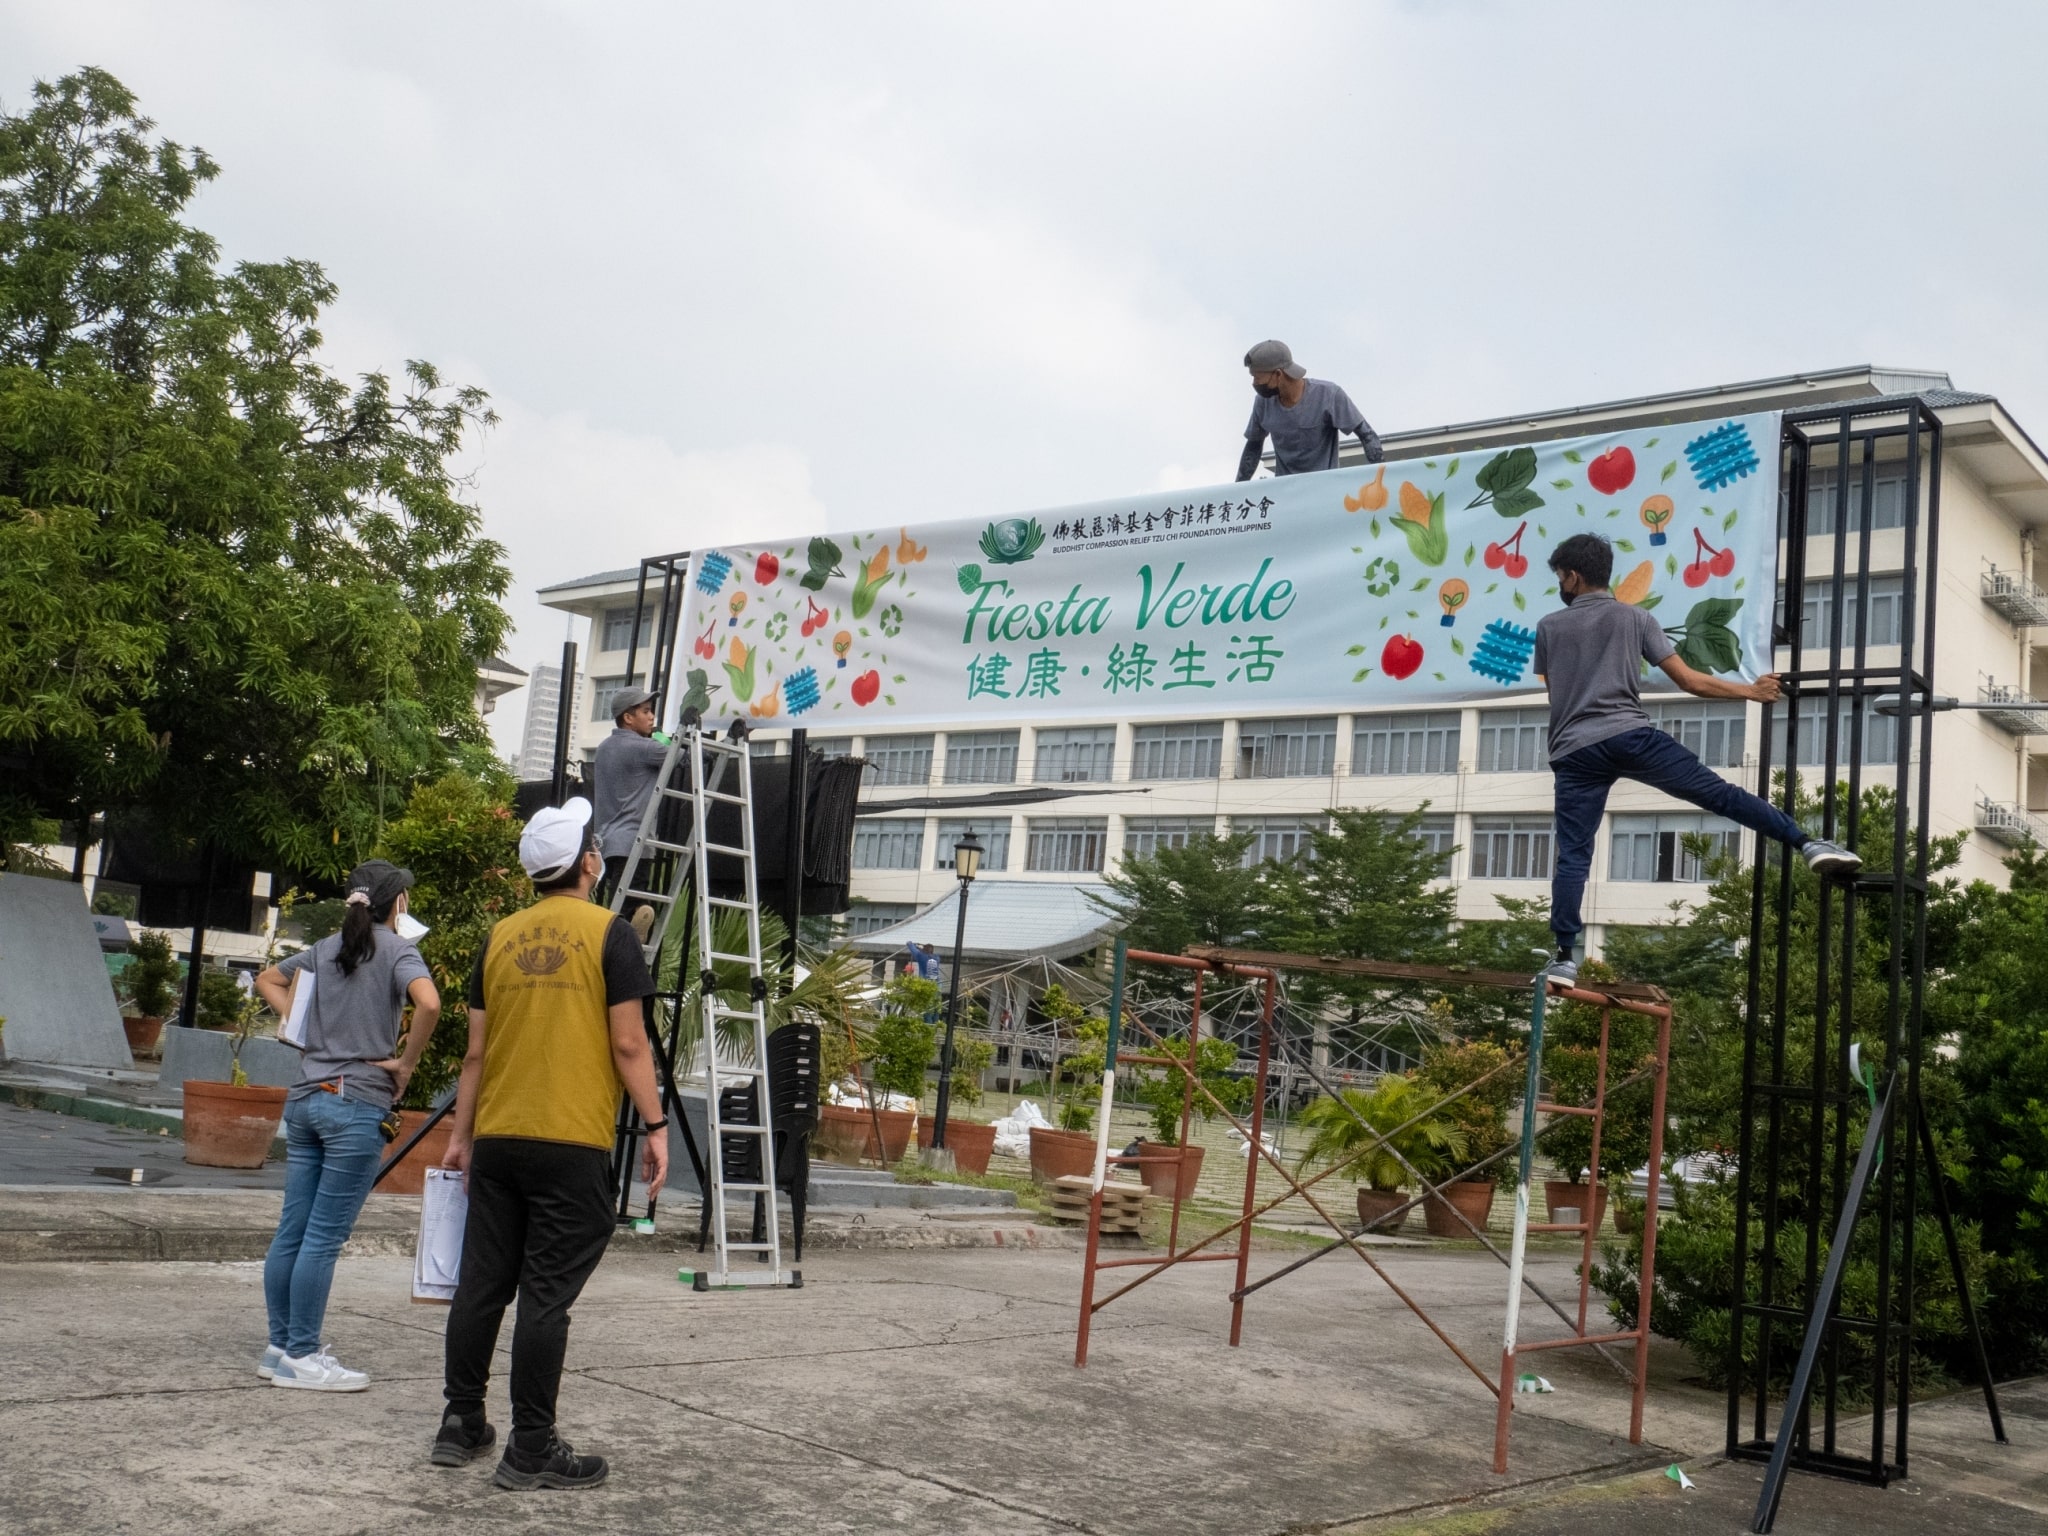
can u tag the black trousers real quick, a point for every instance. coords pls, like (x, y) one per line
(540, 1215)
(614, 872)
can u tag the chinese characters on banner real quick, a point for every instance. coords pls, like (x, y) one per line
(1419, 583)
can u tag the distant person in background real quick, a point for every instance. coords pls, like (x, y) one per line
(622, 780)
(352, 1073)
(1303, 416)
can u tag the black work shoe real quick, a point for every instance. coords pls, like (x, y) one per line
(556, 1467)
(462, 1440)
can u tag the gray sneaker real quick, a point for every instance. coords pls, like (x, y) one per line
(1828, 859)
(1563, 972)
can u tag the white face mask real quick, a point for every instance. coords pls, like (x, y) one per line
(410, 927)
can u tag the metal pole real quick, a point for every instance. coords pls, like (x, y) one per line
(189, 1009)
(1116, 1008)
(565, 722)
(1518, 1249)
(795, 835)
(952, 1015)
(1254, 1149)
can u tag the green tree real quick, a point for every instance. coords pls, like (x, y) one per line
(1202, 893)
(236, 593)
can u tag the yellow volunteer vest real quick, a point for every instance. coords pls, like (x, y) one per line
(548, 1070)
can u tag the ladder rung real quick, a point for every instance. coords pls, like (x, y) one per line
(719, 794)
(749, 1247)
(677, 794)
(655, 842)
(727, 1127)
(659, 896)
(737, 853)
(719, 954)
(730, 901)
(723, 1012)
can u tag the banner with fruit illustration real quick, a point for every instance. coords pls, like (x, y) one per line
(1419, 583)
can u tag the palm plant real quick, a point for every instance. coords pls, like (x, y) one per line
(829, 991)
(1433, 1145)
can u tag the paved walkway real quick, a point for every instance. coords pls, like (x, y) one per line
(41, 1148)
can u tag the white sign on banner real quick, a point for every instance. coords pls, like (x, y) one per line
(1417, 583)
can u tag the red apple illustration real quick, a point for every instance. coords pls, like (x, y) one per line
(1401, 658)
(866, 688)
(765, 569)
(1612, 471)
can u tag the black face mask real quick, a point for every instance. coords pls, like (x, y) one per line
(1266, 391)
(1564, 596)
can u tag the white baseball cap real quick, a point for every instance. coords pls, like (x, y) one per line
(554, 839)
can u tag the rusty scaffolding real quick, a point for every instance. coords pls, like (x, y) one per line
(1265, 968)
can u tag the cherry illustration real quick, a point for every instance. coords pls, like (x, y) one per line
(704, 646)
(1401, 658)
(1707, 561)
(866, 688)
(1509, 557)
(816, 619)
(1612, 471)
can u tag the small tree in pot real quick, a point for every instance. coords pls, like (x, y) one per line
(1339, 1133)
(1163, 1094)
(1571, 1063)
(148, 984)
(1481, 1116)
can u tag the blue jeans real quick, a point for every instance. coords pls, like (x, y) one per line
(334, 1149)
(1650, 757)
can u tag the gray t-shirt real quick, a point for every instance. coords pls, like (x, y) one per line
(1305, 435)
(1591, 655)
(621, 779)
(353, 1019)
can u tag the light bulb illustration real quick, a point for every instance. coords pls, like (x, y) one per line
(841, 644)
(1656, 515)
(1451, 597)
(738, 605)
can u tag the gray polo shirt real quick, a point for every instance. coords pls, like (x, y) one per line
(354, 1017)
(1591, 655)
(1305, 434)
(621, 779)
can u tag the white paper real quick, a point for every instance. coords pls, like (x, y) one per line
(293, 1030)
(437, 1260)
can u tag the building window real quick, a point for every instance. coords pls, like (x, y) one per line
(618, 634)
(1816, 612)
(1278, 837)
(981, 757)
(1810, 742)
(829, 747)
(1419, 743)
(1077, 756)
(1887, 499)
(899, 759)
(1146, 835)
(1514, 740)
(1654, 847)
(873, 916)
(1711, 729)
(994, 835)
(1066, 844)
(1439, 834)
(1189, 749)
(892, 844)
(1287, 749)
(601, 691)
(1511, 847)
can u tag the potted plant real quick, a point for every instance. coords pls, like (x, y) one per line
(147, 984)
(1571, 1063)
(1068, 1148)
(1165, 1092)
(970, 1141)
(1481, 1116)
(232, 1124)
(904, 1038)
(1339, 1133)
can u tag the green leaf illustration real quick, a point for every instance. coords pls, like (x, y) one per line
(1457, 646)
(1471, 550)
(1573, 456)
(1520, 601)
(1354, 650)
(1651, 601)
(1561, 485)
(969, 577)
(1671, 565)
(1627, 545)
(1361, 674)
(1516, 503)
(824, 556)
(1669, 470)
(1651, 443)
(1422, 583)
(1450, 469)
(1729, 521)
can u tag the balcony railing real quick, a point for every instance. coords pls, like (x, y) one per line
(2021, 720)
(2015, 597)
(2011, 825)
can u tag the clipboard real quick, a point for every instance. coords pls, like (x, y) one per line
(298, 1012)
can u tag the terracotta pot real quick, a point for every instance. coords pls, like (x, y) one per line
(230, 1127)
(969, 1141)
(1056, 1154)
(848, 1132)
(143, 1031)
(1556, 1192)
(1470, 1198)
(1375, 1203)
(410, 1176)
(1628, 1218)
(1164, 1178)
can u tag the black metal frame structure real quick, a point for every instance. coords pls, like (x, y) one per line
(1795, 1169)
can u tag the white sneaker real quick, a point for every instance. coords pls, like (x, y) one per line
(1825, 858)
(318, 1373)
(267, 1366)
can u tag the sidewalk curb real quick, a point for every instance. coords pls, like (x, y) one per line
(131, 1117)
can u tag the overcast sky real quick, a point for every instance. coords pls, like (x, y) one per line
(757, 270)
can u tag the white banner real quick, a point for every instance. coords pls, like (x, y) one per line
(1417, 583)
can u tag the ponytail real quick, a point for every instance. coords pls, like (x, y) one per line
(358, 932)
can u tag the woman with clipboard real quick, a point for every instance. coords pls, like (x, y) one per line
(343, 1000)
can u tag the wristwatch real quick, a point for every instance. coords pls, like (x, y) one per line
(658, 1125)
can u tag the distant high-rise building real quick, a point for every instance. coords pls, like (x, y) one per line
(543, 704)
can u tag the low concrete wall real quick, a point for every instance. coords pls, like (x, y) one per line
(208, 1055)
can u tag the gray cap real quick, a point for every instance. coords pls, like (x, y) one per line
(1271, 356)
(628, 698)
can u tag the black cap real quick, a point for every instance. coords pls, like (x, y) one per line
(380, 880)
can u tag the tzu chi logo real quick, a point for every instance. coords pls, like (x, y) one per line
(1012, 541)
(543, 951)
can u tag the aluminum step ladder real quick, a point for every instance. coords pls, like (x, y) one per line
(705, 772)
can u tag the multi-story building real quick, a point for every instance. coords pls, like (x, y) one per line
(1479, 772)
(536, 758)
